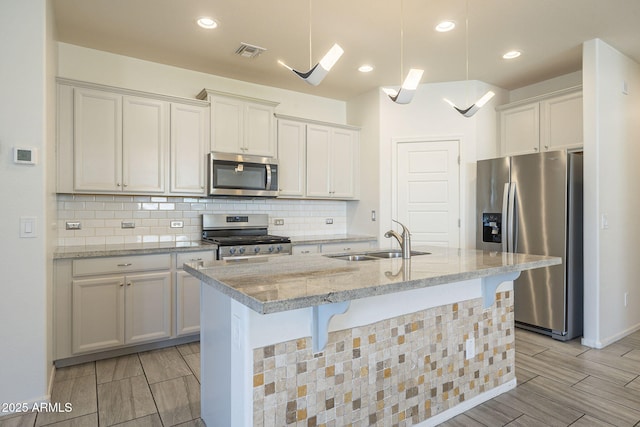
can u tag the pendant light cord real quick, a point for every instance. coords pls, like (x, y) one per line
(466, 41)
(310, 48)
(401, 40)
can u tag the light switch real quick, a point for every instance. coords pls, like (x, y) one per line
(28, 226)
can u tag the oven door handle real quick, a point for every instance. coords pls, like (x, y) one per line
(268, 177)
(249, 257)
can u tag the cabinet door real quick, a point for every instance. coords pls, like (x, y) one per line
(562, 122)
(291, 158)
(148, 307)
(97, 144)
(227, 125)
(98, 314)
(520, 129)
(187, 304)
(189, 133)
(318, 180)
(144, 142)
(259, 130)
(343, 165)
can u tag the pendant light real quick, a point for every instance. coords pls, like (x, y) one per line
(468, 112)
(317, 72)
(411, 82)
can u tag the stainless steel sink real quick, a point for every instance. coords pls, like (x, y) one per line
(393, 254)
(370, 256)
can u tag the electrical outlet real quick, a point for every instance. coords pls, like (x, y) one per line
(73, 225)
(128, 224)
(470, 348)
(278, 221)
(177, 224)
(329, 221)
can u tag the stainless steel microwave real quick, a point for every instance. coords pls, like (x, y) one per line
(241, 175)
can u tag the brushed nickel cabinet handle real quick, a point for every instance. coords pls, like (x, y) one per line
(127, 264)
(129, 284)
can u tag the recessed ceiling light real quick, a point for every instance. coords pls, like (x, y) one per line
(445, 26)
(207, 23)
(512, 54)
(365, 68)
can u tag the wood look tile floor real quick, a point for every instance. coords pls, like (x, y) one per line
(559, 384)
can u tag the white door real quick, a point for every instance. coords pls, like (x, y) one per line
(427, 191)
(259, 131)
(187, 304)
(343, 152)
(291, 158)
(148, 307)
(189, 145)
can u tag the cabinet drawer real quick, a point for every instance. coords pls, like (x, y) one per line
(305, 249)
(345, 247)
(123, 264)
(201, 256)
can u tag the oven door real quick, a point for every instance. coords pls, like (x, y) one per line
(236, 175)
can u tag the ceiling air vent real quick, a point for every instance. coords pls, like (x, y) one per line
(248, 50)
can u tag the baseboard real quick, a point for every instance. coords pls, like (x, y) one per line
(123, 351)
(468, 404)
(599, 344)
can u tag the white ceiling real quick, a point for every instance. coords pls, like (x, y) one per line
(549, 32)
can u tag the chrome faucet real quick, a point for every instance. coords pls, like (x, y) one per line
(404, 240)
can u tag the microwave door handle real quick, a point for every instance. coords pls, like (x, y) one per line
(268, 177)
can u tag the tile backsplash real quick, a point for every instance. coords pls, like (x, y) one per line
(101, 217)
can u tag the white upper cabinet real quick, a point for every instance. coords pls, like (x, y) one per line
(241, 125)
(145, 130)
(544, 123)
(291, 158)
(332, 162)
(562, 122)
(97, 142)
(189, 147)
(113, 140)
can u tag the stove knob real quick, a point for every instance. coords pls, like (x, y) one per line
(270, 249)
(241, 250)
(278, 248)
(256, 249)
(232, 251)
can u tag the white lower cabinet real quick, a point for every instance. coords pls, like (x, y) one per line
(114, 311)
(187, 304)
(107, 303)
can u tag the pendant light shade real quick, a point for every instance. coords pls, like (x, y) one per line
(319, 71)
(405, 94)
(470, 111)
(474, 107)
(408, 88)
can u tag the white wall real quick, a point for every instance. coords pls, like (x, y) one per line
(363, 111)
(106, 68)
(24, 121)
(547, 86)
(612, 175)
(429, 116)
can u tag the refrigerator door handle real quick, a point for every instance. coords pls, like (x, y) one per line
(505, 217)
(512, 219)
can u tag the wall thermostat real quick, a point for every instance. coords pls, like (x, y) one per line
(24, 156)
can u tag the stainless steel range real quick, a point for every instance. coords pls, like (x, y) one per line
(243, 236)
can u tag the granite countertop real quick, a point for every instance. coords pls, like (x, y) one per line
(89, 251)
(330, 238)
(274, 284)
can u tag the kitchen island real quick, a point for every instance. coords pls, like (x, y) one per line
(311, 340)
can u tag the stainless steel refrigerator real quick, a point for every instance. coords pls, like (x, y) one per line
(533, 204)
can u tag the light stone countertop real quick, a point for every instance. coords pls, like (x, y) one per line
(330, 238)
(275, 284)
(90, 251)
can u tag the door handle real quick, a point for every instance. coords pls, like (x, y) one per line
(505, 217)
(512, 218)
(268, 177)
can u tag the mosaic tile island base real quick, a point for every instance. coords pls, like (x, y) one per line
(396, 357)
